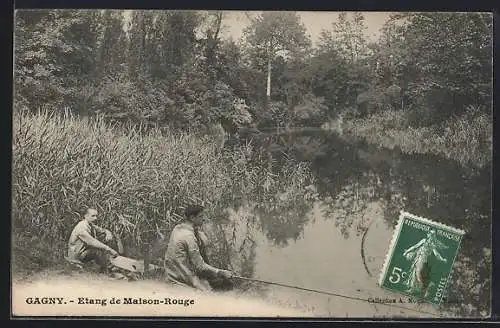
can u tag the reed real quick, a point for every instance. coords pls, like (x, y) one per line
(467, 138)
(137, 178)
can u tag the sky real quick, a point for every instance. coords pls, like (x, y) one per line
(235, 21)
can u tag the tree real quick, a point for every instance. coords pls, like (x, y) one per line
(113, 45)
(173, 42)
(139, 35)
(330, 79)
(449, 58)
(212, 25)
(340, 70)
(55, 53)
(347, 36)
(273, 33)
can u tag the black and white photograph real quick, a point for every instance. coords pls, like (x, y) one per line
(251, 164)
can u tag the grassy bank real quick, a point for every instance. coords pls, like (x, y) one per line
(99, 287)
(274, 302)
(138, 180)
(466, 139)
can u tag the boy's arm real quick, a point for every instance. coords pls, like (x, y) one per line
(84, 235)
(91, 241)
(194, 254)
(108, 233)
(100, 229)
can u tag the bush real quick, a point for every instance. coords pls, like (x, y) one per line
(466, 138)
(472, 135)
(310, 110)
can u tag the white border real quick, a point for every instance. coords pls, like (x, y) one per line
(395, 237)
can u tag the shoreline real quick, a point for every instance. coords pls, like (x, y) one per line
(387, 130)
(95, 295)
(91, 295)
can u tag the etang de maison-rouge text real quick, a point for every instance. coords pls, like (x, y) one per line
(110, 301)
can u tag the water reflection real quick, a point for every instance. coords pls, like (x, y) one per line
(334, 235)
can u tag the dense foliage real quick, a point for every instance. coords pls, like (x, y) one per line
(174, 68)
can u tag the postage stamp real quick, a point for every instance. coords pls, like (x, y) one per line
(420, 258)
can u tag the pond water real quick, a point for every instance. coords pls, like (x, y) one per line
(336, 240)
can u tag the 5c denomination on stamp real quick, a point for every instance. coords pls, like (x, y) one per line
(420, 258)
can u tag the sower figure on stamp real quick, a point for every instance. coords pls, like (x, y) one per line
(185, 259)
(84, 246)
(419, 255)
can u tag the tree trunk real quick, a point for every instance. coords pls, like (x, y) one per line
(269, 78)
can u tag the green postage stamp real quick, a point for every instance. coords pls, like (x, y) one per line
(420, 258)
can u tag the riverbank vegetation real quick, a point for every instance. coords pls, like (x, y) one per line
(467, 138)
(138, 180)
(432, 91)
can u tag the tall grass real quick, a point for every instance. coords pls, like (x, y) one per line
(137, 179)
(134, 178)
(467, 138)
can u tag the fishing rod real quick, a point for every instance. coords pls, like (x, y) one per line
(332, 294)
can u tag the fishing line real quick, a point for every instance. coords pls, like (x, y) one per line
(335, 294)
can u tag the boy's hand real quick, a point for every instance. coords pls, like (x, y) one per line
(226, 274)
(112, 252)
(109, 235)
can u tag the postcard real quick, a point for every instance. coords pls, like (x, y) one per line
(263, 164)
